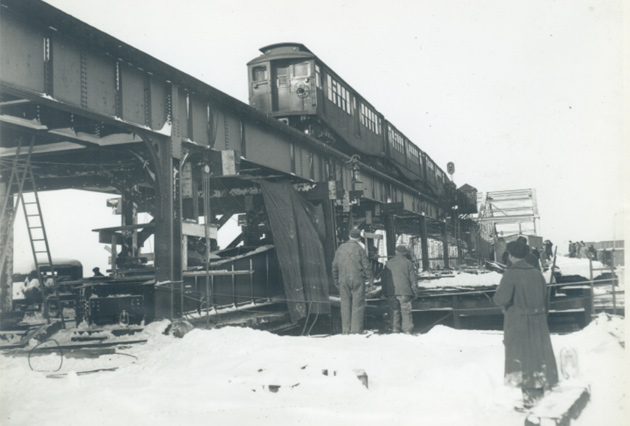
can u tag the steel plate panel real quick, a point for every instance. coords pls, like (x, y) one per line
(228, 132)
(22, 59)
(100, 84)
(199, 120)
(268, 149)
(159, 104)
(182, 114)
(132, 95)
(66, 60)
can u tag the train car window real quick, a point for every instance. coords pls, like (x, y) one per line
(396, 140)
(414, 153)
(283, 76)
(369, 119)
(329, 86)
(348, 101)
(318, 77)
(259, 73)
(431, 168)
(339, 95)
(302, 70)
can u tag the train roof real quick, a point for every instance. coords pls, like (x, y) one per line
(284, 50)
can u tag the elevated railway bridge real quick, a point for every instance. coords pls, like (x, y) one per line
(83, 110)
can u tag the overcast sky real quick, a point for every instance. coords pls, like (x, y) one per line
(518, 94)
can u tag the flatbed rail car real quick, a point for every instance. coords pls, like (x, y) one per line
(472, 307)
(569, 303)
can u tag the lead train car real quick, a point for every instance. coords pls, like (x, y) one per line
(293, 85)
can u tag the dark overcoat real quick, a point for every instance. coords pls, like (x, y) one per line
(400, 276)
(529, 357)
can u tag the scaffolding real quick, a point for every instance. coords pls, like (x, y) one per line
(510, 212)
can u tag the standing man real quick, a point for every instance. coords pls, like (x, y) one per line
(350, 269)
(529, 358)
(400, 287)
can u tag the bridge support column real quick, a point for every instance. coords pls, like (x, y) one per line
(6, 280)
(445, 244)
(130, 217)
(330, 245)
(424, 244)
(168, 230)
(390, 230)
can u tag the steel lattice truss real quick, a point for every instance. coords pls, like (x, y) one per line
(504, 213)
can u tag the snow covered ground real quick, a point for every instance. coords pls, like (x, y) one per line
(232, 376)
(228, 376)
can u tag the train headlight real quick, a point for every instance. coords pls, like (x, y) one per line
(302, 90)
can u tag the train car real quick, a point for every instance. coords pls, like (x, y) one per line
(292, 84)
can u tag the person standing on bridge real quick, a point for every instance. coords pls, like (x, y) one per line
(350, 269)
(400, 287)
(522, 295)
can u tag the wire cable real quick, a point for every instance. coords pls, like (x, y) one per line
(37, 346)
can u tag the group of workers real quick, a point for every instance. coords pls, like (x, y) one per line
(522, 295)
(578, 249)
(35, 293)
(351, 268)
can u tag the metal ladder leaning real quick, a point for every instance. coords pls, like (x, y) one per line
(613, 281)
(22, 170)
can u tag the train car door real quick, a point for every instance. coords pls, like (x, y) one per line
(300, 86)
(283, 87)
(260, 90)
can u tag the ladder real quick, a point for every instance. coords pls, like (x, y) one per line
(613, 280)
(22, 170)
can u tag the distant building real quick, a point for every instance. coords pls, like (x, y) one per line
(607, 251)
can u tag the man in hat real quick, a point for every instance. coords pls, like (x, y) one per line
(530, 258)
(97, 272)
(350, 269)
(529, 358)
(400, 288)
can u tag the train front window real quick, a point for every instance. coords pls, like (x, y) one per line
(259, 73)
(283, 76)
(302, 70)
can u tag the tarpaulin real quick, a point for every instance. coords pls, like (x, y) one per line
(298, 231)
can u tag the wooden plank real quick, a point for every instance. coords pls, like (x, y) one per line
(564, 403)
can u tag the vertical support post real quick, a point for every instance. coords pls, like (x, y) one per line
(129, 216)
(6, 280)
(613, 279)
(592, 283)
(168, 232)
(390, 230)
(251, 279)
(424, 244)
(267, 276)
(330, 245)
(458, 238)
(114, 253)
(207, 302)
(234, 287)
(445, 245)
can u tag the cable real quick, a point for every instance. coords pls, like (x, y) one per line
(38, 345)
(312, 325)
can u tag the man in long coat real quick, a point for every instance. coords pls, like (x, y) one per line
(351, 268)
(399, 284)
(529, 358)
